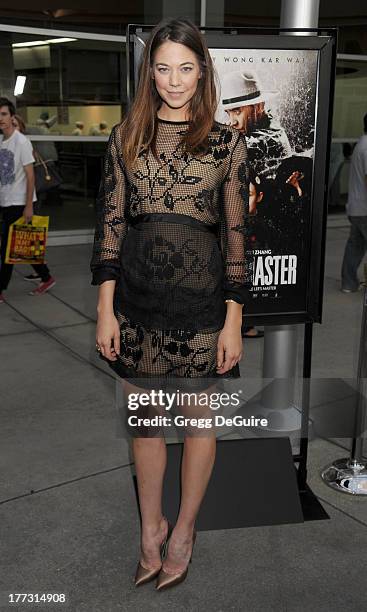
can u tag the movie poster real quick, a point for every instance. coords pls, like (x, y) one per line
(270, 96)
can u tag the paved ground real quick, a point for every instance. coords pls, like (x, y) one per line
(68, 511)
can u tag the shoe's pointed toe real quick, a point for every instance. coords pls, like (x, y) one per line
(167, 580)
(164, 580)
(144, 575)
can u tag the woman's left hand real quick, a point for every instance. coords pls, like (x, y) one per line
(229, 348)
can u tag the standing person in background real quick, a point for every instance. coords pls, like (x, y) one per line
(42, 272)
(100, 130)
(335, 168)
(103, 129)
(356, 209)
(94, 130)
(17, 192)
(48, 151)
(78, 130)
(19, 124)
(45, 148)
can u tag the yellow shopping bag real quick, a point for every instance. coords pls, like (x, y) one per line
(27, 241)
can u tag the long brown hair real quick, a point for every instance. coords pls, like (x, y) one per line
(138, 130)
(20, 122)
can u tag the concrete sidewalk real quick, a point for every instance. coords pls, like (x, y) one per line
(68, 511)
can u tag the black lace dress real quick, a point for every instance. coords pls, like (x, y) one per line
(172, 234)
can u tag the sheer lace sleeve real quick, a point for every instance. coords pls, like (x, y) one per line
(235, 193)
(110, 221)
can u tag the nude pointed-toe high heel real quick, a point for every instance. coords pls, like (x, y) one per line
(144, 575)
(165, 580)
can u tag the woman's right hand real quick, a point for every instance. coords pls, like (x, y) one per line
(108, 335)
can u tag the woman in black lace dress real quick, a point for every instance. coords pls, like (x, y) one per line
(169, 259)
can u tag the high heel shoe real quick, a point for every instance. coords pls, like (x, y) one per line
(143, 575)
(168, 580)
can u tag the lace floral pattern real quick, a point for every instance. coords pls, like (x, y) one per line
(179, 353)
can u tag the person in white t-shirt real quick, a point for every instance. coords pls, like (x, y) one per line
(356, 209)
(17, 192)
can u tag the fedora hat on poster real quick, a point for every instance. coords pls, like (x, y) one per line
(241, 88)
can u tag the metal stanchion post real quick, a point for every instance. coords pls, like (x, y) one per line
(280, 341)
(350, 474)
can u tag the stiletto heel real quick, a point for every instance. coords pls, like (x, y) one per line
(168, 580)
(143, 575)
(164, 545)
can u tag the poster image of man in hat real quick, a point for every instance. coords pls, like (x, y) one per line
(280, 179)
(243, 100)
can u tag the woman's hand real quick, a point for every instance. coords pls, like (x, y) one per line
(108, 335)
(108, 331)
(229, 348)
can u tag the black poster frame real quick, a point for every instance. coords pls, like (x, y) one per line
(324, 41)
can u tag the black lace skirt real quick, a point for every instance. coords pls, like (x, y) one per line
(169, 300)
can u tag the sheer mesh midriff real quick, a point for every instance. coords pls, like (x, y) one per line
(171, 232)
(171, 276)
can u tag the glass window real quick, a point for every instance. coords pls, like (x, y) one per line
(67, 80)
(69, 93)
(350, 98)
(351, 19)
(349, 110)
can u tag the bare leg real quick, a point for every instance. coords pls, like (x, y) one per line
(150, 458)
(197, 465)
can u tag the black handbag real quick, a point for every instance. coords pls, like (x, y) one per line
(45, 174)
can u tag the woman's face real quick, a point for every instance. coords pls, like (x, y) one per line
(176, 72)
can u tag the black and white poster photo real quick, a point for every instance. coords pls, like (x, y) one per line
(270, 96)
